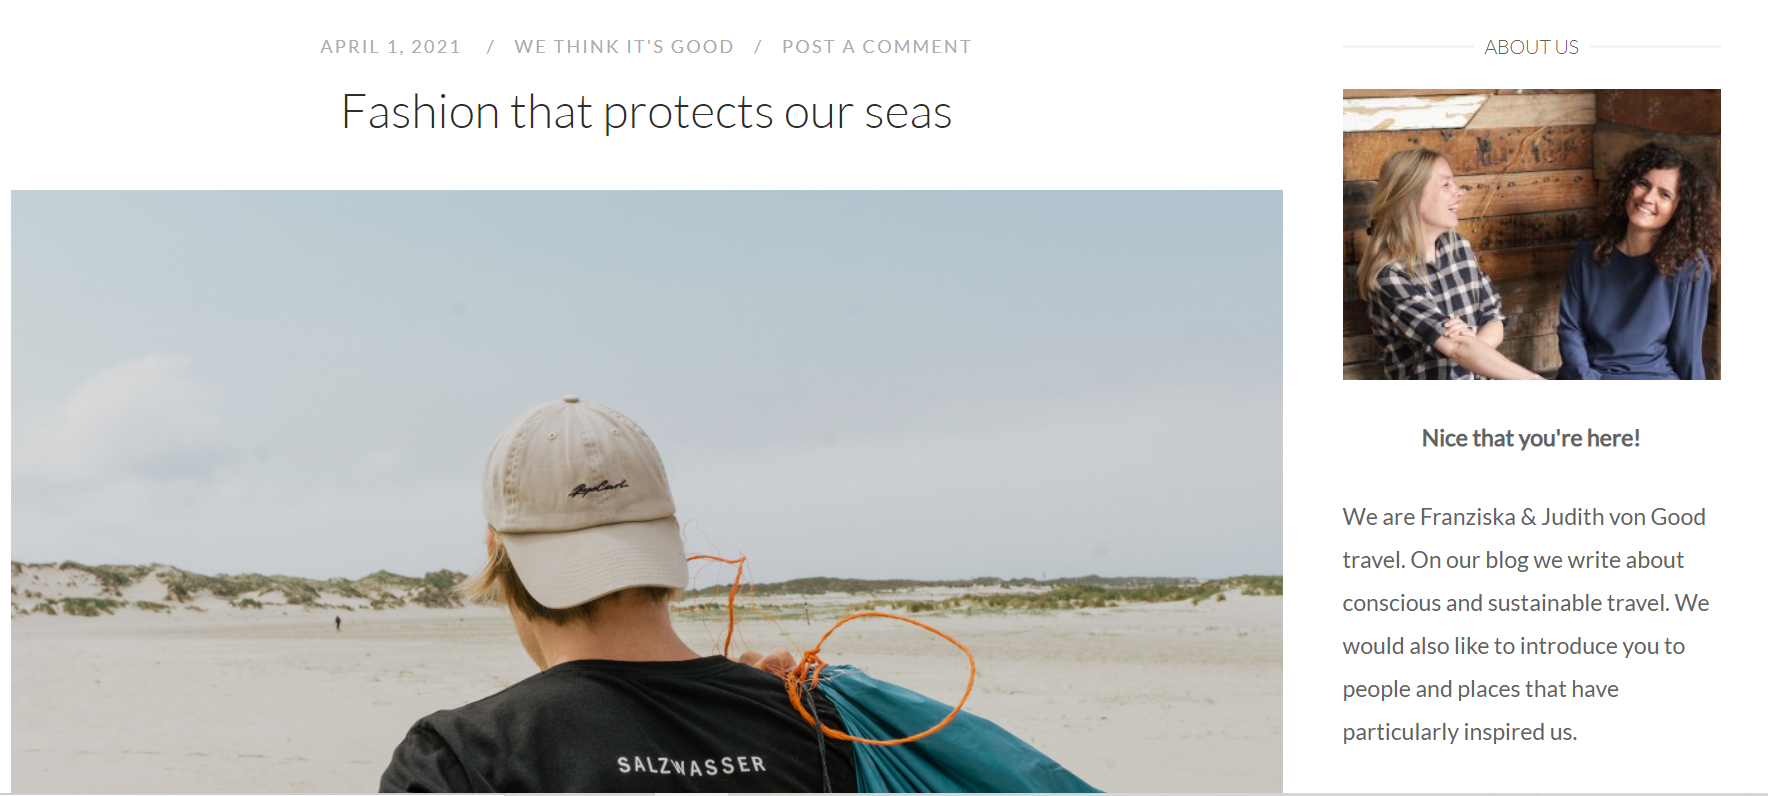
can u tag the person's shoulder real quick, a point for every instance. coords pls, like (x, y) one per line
(575, 681)
(1698, 267)
(536, 699)
(571, 683)
(1393, 280)
(1696, 274)
(1394, 271)
(515, 698)
(1402, 278)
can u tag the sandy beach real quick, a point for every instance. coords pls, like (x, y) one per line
(1142, 697)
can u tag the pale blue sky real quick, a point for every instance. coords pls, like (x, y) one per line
(925, 385)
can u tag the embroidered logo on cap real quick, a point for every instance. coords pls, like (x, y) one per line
(604, 486)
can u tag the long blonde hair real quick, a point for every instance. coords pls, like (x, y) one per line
(1394, 224)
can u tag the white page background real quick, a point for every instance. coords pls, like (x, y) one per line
(1126, 96)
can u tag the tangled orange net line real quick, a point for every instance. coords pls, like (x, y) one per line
(810, 665)
(730, 630)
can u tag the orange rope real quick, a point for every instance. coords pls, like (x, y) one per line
(730, 629)
(797, 676)
(812, 665)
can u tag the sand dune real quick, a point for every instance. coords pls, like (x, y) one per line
(1141, 697)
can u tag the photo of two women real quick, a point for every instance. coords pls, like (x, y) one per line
(1531, 234)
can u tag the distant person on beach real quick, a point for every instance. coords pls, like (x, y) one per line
(584, 549)
(340, 623)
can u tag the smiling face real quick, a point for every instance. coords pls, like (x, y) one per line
(1651, 201)
(1439, 205)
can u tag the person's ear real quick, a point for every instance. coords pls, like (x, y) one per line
(490, 542)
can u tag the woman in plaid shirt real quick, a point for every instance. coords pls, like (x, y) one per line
(1434, 311)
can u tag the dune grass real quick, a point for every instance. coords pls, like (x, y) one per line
(383, 588)
(79, 606)
(1061, 597)
(1089, 596)
(860, 586)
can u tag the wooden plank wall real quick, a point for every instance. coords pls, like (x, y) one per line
(1685, 119)
(1525, 157)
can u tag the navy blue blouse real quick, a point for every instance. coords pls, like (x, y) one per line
(1624, 320)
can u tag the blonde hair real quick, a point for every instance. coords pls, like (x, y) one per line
(497, 583)
(1394, 224)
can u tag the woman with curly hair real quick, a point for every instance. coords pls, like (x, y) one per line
(1634, 301)
(1435, 313)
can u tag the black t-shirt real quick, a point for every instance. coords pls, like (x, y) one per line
(708, 724)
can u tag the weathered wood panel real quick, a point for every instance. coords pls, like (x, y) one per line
(1558, 227)
(1613, 143)
(1530, 295)
(1374, 93)
(1539, 353)
(1362, 348)
(1363, 371)
(1411, 113)
(1526, 192)
(1493, 195)
(1526, 229)
(1356, 317)
(1353, 93)
(1525, 110)
(1686, 111)
(1516, 149)
(1357, 197)
(1535, 262)
(1532, 324)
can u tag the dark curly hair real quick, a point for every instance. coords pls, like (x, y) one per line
(1693, 228)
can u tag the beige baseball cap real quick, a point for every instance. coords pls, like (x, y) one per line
(579, 495)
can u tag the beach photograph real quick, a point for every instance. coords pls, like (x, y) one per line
(251, 436)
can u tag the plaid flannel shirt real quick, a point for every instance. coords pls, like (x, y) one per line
(1408, 314)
